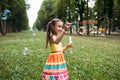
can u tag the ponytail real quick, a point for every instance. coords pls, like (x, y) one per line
(48, 34)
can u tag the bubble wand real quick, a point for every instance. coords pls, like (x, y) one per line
(70, 38)
(70, 41)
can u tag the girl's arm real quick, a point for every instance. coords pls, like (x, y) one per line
(69, 45)
(57, 39)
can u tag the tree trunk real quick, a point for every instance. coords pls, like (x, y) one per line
(87, 20)
(109, 25)
(98, 20)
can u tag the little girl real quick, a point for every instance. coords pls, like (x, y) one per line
(55, 67)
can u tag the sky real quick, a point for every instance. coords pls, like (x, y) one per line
(91, 3)
(33, 11)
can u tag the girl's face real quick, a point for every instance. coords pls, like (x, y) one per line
(58, 27)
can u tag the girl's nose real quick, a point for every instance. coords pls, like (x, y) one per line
(60, 29)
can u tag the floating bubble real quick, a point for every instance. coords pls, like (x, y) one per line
(70, 41)
(34, 34)
(25, 51)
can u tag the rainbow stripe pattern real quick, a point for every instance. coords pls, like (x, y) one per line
(55, 67)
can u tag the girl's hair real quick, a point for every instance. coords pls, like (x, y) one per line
(49, 30)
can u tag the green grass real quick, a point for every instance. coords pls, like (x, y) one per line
(93, 58)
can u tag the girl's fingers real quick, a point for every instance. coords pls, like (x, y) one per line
(70, 45)
(67, 24)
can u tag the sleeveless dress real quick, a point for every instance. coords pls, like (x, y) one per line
(55, 67)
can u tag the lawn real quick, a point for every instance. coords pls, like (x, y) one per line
(92, 58)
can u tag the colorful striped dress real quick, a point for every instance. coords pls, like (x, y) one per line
(55, 67)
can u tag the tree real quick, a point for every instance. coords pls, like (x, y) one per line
(19, 15)
(80, 8)
(110, 12)
(45, 14)
(18, 20)
(105, 13)
(116, 16)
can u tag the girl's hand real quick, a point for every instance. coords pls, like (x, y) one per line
(67, 25)
(69, 45)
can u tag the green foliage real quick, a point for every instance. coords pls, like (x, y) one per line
(110, 9)
(57, 9)
(93, 58)
(116, 17)
(45, 14)
(52, 9)
(18, 20)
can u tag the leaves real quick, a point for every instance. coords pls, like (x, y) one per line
(18, 14)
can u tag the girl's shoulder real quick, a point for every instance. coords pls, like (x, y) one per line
(52, 37)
